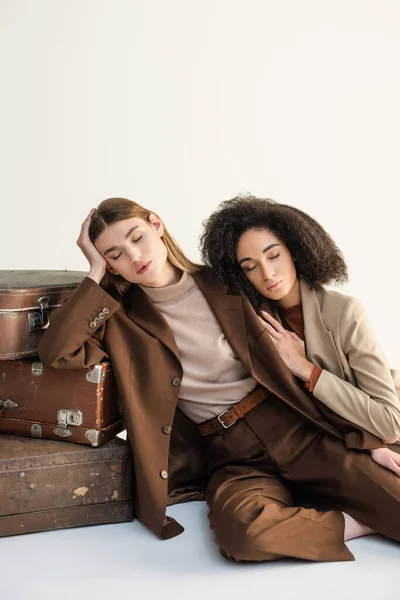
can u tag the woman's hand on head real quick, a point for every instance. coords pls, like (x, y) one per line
(387, 458)
(97, 262)
(290, 348)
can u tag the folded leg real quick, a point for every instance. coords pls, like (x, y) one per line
(252, 516)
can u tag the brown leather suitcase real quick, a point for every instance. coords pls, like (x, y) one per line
(27, 300)
(51, 485)
(78, 405)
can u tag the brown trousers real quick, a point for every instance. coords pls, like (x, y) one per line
(260, 468)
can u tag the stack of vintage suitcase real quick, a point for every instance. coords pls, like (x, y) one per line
(46, 483)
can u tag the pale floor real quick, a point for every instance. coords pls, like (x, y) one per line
(127, 561)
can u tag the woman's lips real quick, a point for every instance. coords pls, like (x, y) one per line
(143, 268)
(274, 287)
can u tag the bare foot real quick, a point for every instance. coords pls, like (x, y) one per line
(354, 529)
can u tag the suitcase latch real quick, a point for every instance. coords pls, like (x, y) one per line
(37, 369)
(69, 417)
(64, 419)
(39, 320)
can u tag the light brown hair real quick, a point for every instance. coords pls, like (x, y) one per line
(113, 210)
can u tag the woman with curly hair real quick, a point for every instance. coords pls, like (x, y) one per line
(207, 401)
(281, 259)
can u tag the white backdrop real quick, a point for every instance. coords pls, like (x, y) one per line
(181, 104)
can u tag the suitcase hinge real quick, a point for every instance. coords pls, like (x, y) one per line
(36, 430)
(96, 375)
(39, 320)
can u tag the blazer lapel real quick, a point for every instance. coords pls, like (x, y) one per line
(320, 346)
(228, 310)
(142, 311)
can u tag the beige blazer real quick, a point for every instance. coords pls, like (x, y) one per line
(356, 381)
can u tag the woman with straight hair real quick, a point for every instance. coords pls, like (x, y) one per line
(209, 404)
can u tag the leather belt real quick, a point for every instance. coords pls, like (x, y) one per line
(229, 417)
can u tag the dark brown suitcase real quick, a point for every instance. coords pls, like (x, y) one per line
(78, 405)
(51, 485)
(27, 301)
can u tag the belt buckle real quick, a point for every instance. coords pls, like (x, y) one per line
(222, 423)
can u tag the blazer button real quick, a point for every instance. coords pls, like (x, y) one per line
(102, 315)
(92, 324)
(167, 429)
(176, 382)
(106, 311)
(97, 320)
(164, 474)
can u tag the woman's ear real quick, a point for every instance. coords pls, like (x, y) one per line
(157, 224)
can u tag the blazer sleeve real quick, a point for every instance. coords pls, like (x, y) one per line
(74, 337)
(373, 404)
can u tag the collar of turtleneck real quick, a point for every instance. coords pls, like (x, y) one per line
(172, 294)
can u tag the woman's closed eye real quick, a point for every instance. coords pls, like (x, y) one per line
(132, 241)
(248, 269)
(251, 268)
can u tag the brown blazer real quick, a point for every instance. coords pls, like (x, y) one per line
(356, 381)
(131, 332)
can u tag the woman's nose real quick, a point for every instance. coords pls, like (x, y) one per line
(135, 255)
(267, 271)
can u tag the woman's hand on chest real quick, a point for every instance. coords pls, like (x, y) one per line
(290, 348)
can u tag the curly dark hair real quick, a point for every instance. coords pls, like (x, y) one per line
(316, 254)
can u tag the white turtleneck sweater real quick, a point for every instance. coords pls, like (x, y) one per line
(213, 377)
